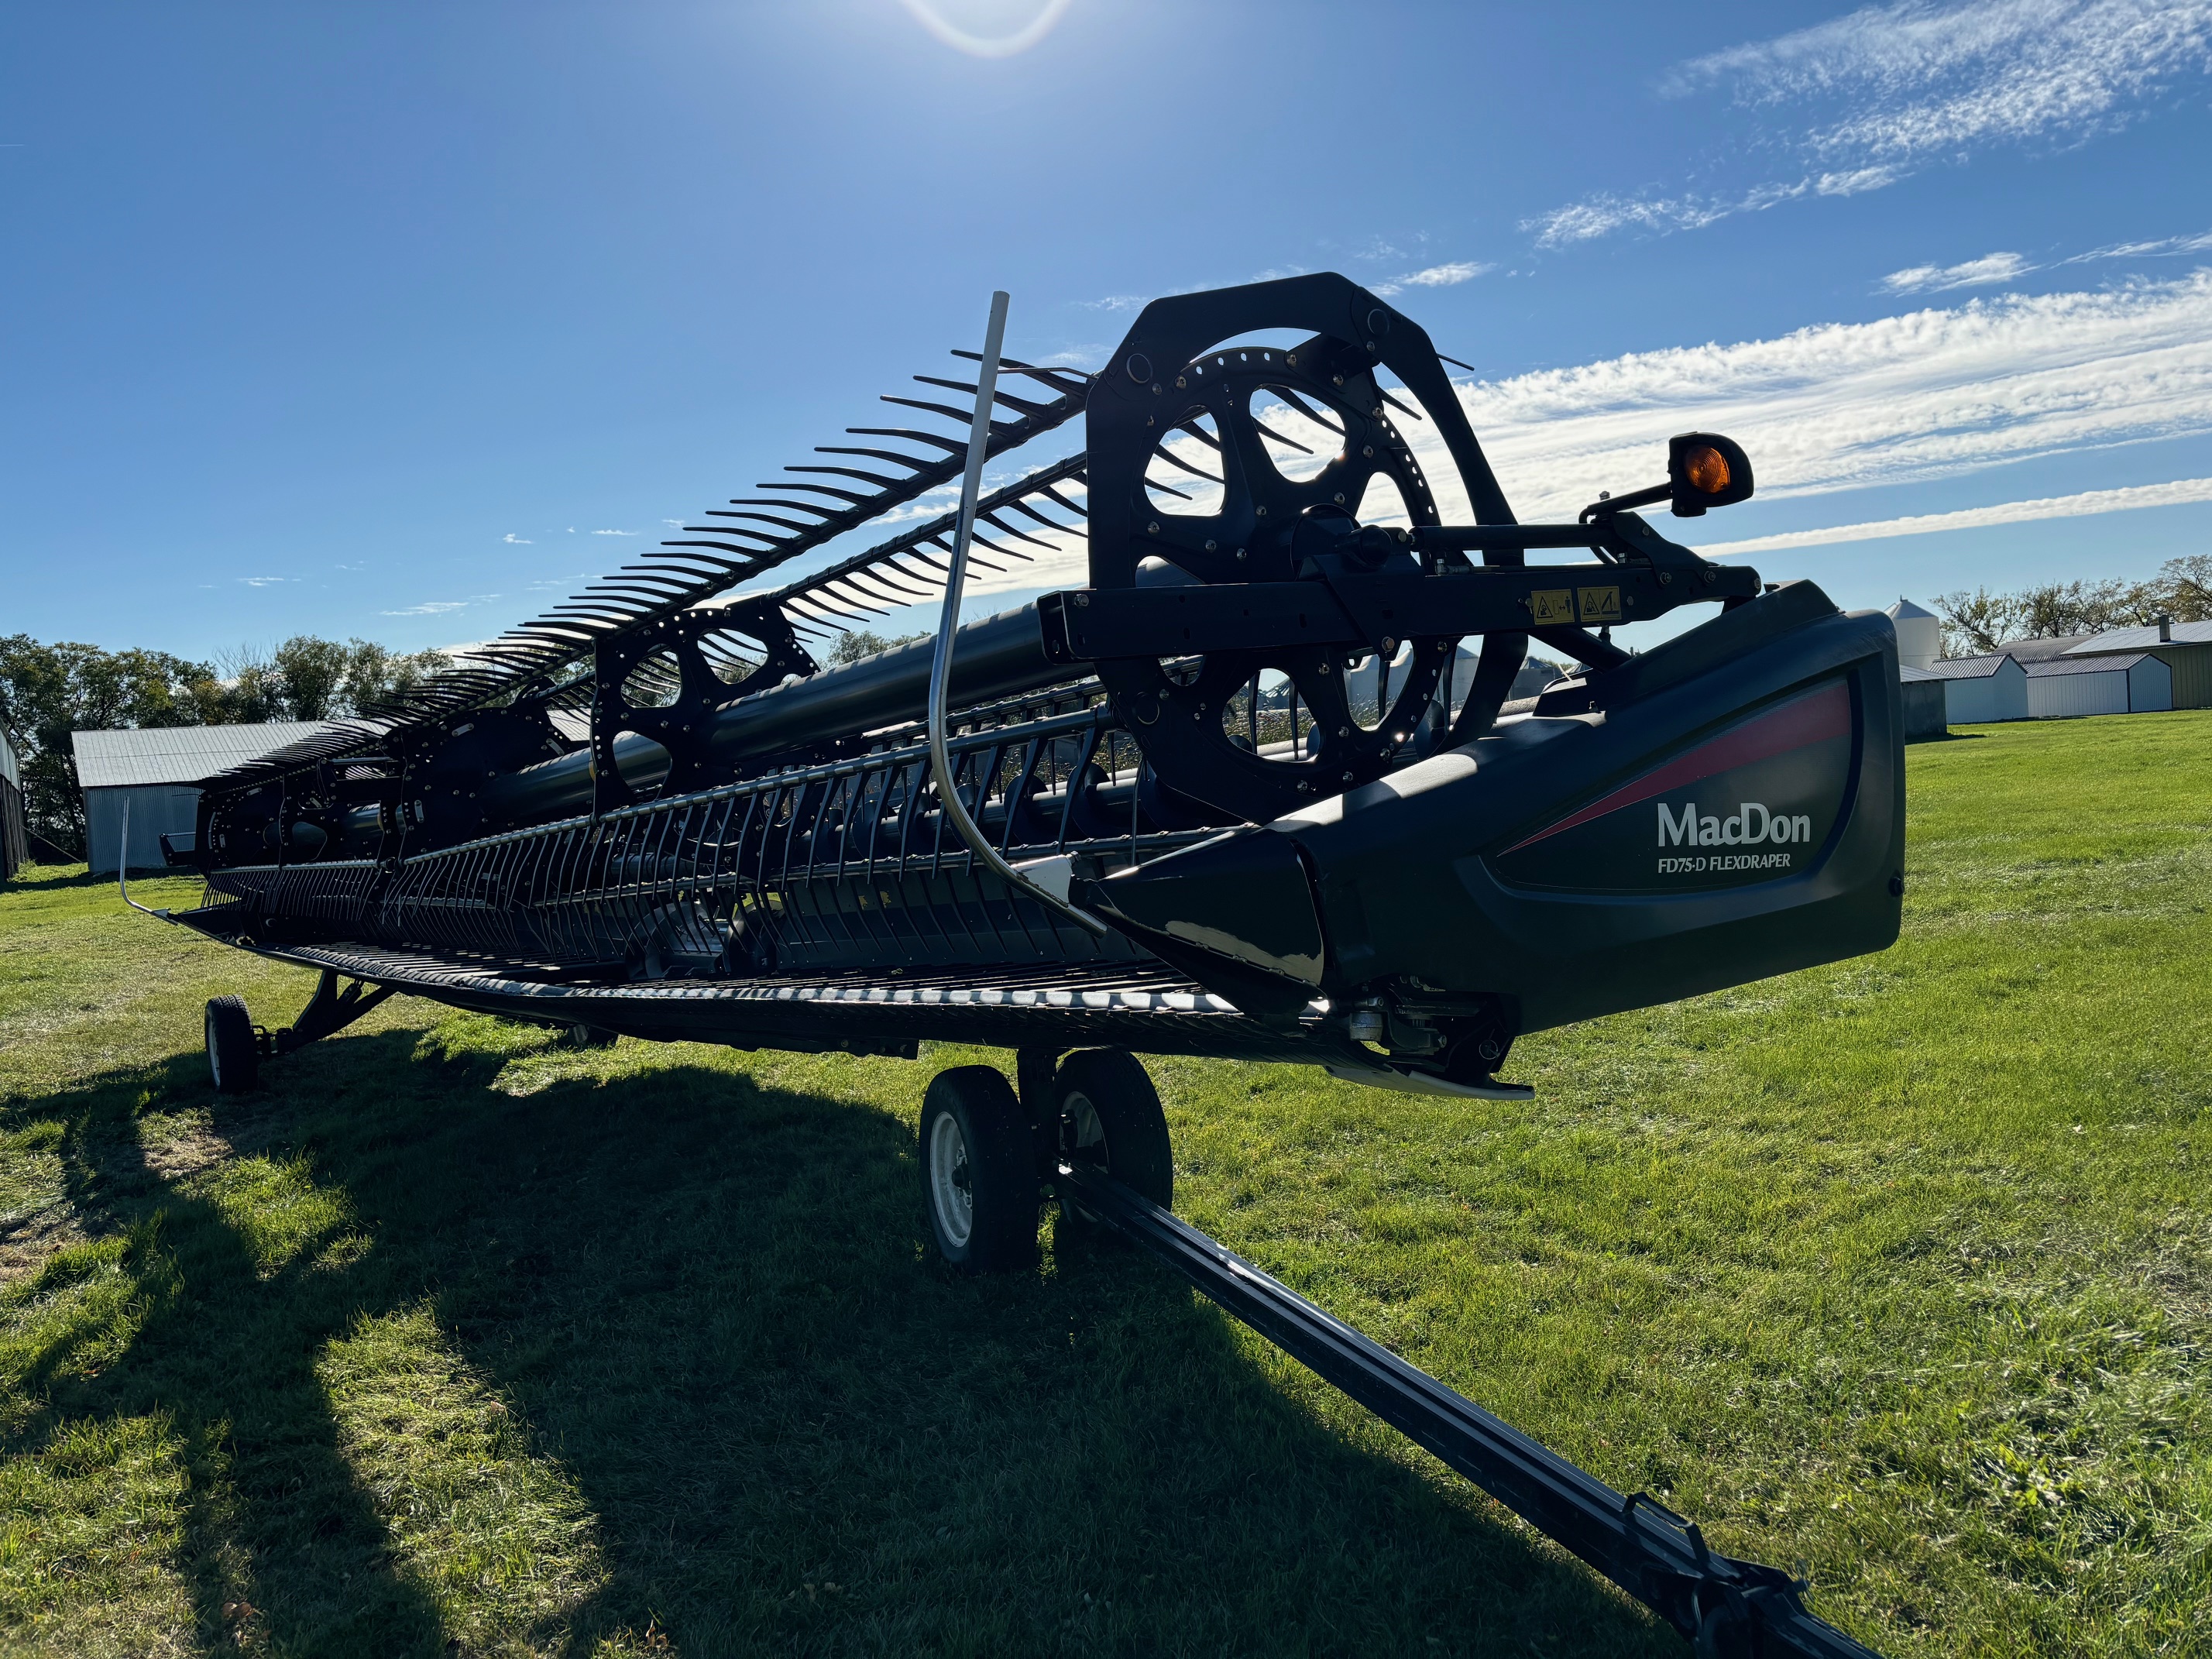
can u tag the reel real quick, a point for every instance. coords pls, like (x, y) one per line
(1215, 464)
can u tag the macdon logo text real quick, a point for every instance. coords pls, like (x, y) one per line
(1750, 824)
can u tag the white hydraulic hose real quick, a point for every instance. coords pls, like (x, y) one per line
(940, 668)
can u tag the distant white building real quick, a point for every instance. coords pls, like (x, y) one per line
(1978, 689)
(2185, 648)
(2122, 684)
(155, 771)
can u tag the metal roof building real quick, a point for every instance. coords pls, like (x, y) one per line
(1981, 689)
(2130, 682)
(1921, 693)
(157, 772)
(2183, 648)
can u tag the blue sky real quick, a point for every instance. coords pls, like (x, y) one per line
(403, 321)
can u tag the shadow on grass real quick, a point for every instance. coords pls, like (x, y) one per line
(53, 878)
(711, 1305)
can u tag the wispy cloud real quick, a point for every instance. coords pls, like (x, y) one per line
(440, 607)
(1604, 213)
(519, 541)
(1990, 268)
(263, 581)
(1114, 302)
(1925, 79)
(1993, 268)
(1884, 90)
(1851, 405)
(2166, 247)
(614, 533)
(2081, 505)
(1445, 276)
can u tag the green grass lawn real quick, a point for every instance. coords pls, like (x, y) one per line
(453, 1341)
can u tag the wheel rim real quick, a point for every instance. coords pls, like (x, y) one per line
(214, 1053)
(951, 1186)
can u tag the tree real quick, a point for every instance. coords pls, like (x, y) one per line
(2183, 587)
(853, 646)
(1977, 623)
(49, 691)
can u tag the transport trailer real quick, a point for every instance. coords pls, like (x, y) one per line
(1260, 790)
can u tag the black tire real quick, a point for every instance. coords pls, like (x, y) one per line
(978, 1174)
(234, 1053)
(1110, 1116)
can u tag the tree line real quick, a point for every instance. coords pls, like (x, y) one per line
(1977, 624)
(48, 691)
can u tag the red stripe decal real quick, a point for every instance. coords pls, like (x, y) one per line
(1813, 717)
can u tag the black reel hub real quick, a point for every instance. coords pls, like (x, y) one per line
(1232, 464)
(665, 679)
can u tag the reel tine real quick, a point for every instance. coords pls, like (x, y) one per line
(851, 472)
(1322, 417)
(1173, 459)
(1290, 443)
(947, 410)
(913, 463)
(908, 433)
(830, 490)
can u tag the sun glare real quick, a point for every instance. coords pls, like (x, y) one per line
(988, 29)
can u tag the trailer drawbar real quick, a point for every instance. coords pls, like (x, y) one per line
(1728, 1609)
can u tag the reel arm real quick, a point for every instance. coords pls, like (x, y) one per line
(1642, 576)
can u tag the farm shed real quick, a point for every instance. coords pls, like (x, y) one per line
(14, 840)
(2185, 648)
(2134, 683)
(156, 772)
(1981, 689)
(1922, 701)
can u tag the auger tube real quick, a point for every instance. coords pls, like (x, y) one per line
(1000, 656)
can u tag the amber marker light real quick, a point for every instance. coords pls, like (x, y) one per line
(1707, 469)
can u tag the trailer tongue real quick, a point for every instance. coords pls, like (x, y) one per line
(1248, 794)
(1722, 1605)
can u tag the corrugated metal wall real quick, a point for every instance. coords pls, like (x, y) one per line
(2150, 686)
(155, 807)
(1925, 715)
(2192, 673)
(1999, 697)
(2063, 696)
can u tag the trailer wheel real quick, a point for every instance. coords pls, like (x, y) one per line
(580, 1035)
(1110, 1116)
(978, 1173)
(234, 1055)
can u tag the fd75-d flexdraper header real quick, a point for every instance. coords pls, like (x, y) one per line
(1254, 790)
